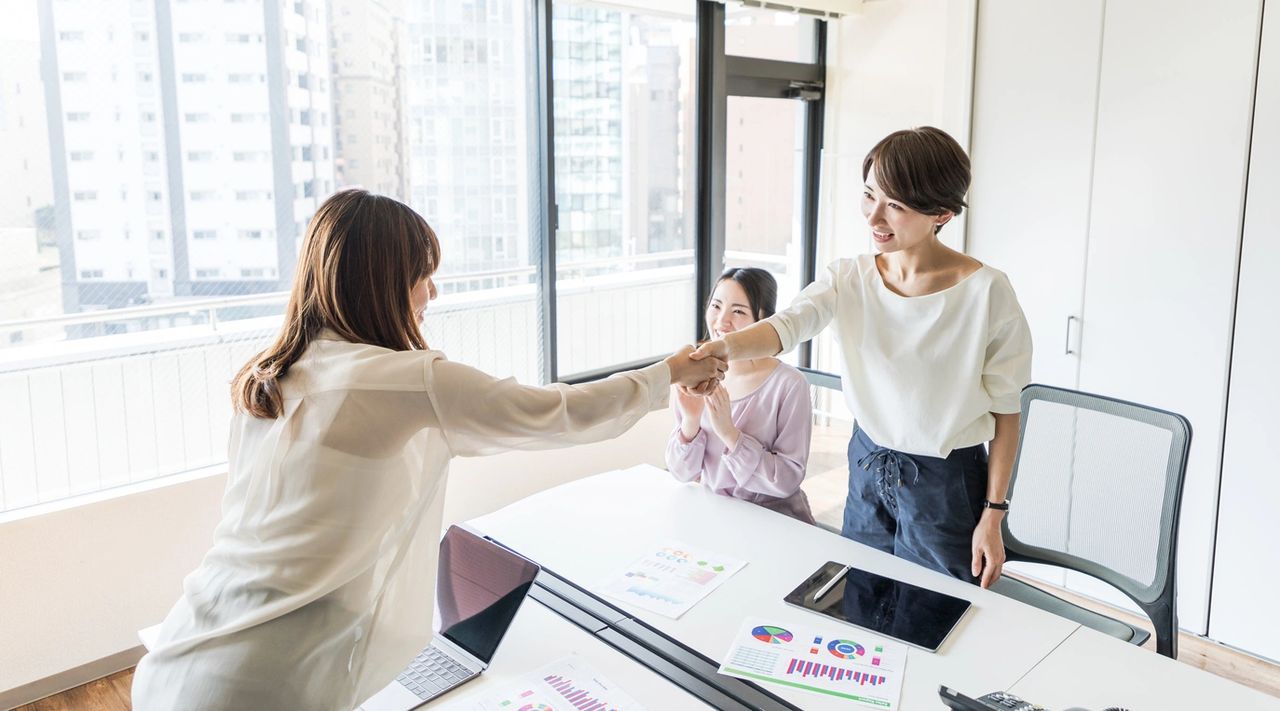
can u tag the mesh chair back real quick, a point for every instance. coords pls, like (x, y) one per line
(1097, 487)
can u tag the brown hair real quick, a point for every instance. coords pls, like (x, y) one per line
(362, 256)
(923, 167)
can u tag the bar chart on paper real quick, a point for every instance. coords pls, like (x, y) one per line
(801, 668)
(867, 671)
(579, 696)
(564, 685)
(671, 578)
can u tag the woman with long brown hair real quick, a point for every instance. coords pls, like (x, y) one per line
(319, 585)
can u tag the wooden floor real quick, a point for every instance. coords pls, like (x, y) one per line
(107, 694)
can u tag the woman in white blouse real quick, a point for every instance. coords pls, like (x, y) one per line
(318, 588)
(935, 352)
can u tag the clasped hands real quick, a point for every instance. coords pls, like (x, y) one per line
(697, 375)
(699, 371)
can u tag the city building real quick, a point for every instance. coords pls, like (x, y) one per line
(191, 143)
(368, 95)
(29, 274)
(468, 92)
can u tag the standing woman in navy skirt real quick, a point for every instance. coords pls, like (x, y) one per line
(935, 352)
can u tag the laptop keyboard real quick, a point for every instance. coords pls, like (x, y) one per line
(433, 672)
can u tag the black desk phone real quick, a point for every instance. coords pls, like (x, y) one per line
(995, 701)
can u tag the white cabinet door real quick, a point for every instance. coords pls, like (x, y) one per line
(1246, 570)
(1035, 98)
(1174, 106)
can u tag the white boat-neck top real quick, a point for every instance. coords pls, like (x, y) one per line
(922, 374)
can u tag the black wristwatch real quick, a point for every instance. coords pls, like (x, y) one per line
(998, 506)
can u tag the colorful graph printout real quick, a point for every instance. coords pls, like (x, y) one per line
(845, 649)
(671, 578)
(824, 661)
(772, 635)
(564, 685)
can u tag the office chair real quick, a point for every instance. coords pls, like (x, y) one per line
(1097, 488)
(821, 379)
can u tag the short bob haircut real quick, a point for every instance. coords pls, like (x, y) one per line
(361, 259)
(924, 168)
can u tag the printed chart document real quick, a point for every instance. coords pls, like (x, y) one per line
(825, 659)
(672, 578)
(564, 685)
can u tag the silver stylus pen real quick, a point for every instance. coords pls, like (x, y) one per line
(831, 583)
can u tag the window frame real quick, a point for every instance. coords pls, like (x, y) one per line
(718, 76)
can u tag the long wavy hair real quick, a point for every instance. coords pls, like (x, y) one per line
(362, 256)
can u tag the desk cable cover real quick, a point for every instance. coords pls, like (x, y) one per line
(697, 674)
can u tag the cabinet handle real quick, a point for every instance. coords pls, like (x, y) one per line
(1067, 349)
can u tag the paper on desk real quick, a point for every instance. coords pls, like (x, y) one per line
(672, 578)
(563, 684)
(834, 660)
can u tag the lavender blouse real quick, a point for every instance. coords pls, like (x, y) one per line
(767, 466)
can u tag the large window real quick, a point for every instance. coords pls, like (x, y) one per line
(470, 108)
(764, 189)
(623, 95)
(162, 161)
(769, 34)
(167, 160)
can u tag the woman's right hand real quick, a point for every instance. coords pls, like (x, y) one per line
(710, 350)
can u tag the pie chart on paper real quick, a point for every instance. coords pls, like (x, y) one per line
(771, 635)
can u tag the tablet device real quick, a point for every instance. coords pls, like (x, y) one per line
(891, 608)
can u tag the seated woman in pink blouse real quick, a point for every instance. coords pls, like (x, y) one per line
(749, 438)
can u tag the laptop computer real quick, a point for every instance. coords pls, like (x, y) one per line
(479, 589)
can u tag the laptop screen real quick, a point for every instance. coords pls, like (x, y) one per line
(478, 591)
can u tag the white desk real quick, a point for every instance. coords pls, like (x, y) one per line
(588, 530)
(1095, 671)
(539, 636)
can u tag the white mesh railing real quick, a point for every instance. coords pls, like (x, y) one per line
(88, 414)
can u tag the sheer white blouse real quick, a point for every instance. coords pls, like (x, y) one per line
(320, 583)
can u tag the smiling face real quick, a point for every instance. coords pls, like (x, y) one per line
(730, 309)
(894, 226)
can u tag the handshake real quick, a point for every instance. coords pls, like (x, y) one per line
(699, 370)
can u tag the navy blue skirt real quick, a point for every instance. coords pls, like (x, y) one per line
(923, 509)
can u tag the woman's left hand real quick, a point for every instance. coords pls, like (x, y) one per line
(720, 417)
(988, 548)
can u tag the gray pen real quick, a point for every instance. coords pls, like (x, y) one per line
(831, 583)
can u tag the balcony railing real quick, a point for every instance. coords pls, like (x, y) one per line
(89, 413)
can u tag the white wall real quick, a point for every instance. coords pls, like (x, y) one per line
(1111, 144)
(891, 65)
(76, 584)
(1037, 76)
(1245, 577)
